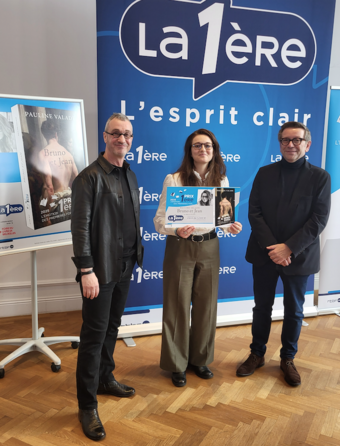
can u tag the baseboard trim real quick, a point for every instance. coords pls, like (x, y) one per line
(41, 283)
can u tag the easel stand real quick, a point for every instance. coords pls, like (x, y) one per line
(38, 341)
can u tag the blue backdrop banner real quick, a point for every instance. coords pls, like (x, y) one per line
(329, 290)
(238, 68)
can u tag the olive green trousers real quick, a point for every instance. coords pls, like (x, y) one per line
(190, 277)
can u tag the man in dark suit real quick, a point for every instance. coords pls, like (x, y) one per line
(288, 209)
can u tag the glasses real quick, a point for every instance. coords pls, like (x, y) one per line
(204, 196)
(117, 135)
(295, 141)
(198, 146)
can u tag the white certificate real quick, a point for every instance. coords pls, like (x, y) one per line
(201, 206)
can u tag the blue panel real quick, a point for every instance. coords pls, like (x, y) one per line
(333, 140)
(9, 168)
(144, 72)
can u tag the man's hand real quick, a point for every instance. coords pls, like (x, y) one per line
(286, 262)
(280, 254)
(90, 285)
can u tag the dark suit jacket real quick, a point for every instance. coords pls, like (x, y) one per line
(306, 217)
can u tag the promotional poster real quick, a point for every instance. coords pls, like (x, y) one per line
(226, 205)
(239, 68)
(42, 152)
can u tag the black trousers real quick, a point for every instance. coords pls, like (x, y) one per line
(101, 320)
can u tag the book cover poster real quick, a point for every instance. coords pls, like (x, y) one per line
(46, 140)
(226, 205)
(42, 149)
(190, 206)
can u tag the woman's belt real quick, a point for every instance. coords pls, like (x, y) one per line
(202, 237)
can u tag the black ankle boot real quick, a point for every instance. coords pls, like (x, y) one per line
(91, 424)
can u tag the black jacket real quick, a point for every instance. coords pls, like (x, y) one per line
(98, 217)
(305, 220)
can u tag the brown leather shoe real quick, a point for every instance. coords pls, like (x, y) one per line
(291, 375)
(250, 365)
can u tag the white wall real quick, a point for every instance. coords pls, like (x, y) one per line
(334, 76)
(47, 48)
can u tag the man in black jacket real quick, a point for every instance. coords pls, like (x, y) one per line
(288, 209)
(107, 243)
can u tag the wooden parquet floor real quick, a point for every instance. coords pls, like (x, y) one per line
(39, 407)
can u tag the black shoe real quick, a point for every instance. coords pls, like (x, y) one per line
(202, 371)
(179, 379)
(116, 389)
(91, 424)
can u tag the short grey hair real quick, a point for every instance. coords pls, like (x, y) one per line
(119, 116)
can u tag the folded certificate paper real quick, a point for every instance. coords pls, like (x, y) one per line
(201, 207)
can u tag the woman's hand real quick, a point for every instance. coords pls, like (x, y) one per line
(235, 228)
(186, 231)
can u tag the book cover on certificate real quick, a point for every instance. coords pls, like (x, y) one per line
(226, 205)
(190, 206)
(46, 141)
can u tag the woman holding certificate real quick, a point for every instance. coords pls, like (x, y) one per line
(191, 267)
